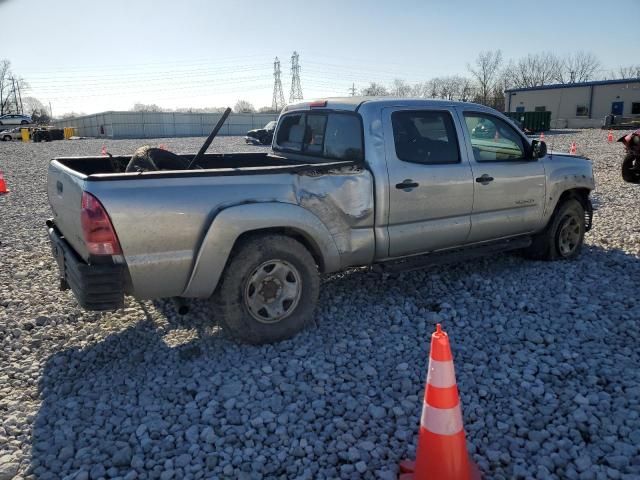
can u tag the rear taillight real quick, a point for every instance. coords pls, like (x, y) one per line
(97, 230)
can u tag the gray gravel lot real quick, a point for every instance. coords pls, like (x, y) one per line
(546, 354)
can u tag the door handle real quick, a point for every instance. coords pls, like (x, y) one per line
(407, 185)
(484, 179)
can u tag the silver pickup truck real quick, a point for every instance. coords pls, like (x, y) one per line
(393, 183)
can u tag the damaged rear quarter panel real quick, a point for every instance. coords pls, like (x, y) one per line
(343, 200)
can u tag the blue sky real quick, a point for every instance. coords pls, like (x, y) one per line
(108, 55)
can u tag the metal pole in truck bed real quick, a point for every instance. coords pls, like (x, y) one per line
(209, 139)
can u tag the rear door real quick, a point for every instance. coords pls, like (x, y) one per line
(509, 187)
(431, 185)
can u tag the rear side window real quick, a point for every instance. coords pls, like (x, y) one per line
(331, 135)
(425, 137)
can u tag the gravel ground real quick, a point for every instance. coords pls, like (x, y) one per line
(546, 353)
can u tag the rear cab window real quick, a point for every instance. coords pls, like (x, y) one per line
(332, 135)
(427, 137)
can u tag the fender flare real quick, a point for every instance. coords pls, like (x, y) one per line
(234, 221)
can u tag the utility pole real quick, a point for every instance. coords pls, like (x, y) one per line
(15, 97)
(20, 97)
(278, 96)
(50, 110)
(353, 89)
(296, 88)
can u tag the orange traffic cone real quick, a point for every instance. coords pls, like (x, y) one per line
(3, 185)
(541, 136)
(573, 149)
(610, 136)
(104, 151)
(442, 449)
(163, 146)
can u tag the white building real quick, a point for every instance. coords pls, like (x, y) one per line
(579, 105)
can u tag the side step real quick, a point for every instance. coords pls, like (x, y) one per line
(451, 256)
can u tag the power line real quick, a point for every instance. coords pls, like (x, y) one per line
(296, 87)
(277, 103)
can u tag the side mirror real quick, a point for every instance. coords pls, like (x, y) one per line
(538, 149)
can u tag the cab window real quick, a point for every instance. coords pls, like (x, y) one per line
(493, 139)
(322, 134)
(427, 137)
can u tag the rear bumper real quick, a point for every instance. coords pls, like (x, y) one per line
(95, 286)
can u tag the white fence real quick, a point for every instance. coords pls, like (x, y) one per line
(162, 124)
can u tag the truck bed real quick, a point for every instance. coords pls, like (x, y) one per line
(220, 163)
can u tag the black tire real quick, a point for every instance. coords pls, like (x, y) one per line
(24, 122)
(631, 168)
(6, 138)
(551, 244)
(231, 300)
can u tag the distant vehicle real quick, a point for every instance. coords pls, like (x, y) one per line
(11, 134)
(262, 136)
(15, 119)
(397, 183)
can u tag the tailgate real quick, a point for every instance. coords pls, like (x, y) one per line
(64, 188)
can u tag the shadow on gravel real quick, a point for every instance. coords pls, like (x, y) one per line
(540, 356)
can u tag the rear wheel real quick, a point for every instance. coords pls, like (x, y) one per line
(24, 122)
(564, 236)
(6, 138)
(268, 291)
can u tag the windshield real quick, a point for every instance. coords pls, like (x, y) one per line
(271, 125)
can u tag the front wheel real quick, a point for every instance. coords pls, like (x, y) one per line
(268, 291)
(6, 138)
(564, 236)
(24, 122)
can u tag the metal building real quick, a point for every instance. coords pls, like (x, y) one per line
(162, 124)
(579, 105)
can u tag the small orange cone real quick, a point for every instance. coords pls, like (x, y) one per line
(163, 146)
(610, 136)
(541, 136)
(3, 185)
(573, 149)
(442, 448)
(104, 151)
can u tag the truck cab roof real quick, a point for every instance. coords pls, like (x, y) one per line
(355, 103)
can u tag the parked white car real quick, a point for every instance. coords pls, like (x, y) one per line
(15, 119)
(11, 134)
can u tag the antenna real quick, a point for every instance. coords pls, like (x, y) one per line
(278, 96)
(296, 88)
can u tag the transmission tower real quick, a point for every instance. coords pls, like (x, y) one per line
(296, 88)
(278, 97)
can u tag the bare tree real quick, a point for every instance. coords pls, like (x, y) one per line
(577, 67)
(632, 71)
(6, 86)
(268, 109)
(485, 71)
(375, 90)
(534, 70)
(401, 88)
(243, 106)
(144, 107)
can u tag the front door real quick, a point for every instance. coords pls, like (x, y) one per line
(509, 186)
(431, 185)
(617, 108)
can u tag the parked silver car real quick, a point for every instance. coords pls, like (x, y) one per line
(15, 119)
(11, 134)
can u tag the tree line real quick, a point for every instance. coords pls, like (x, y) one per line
(489, 76)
